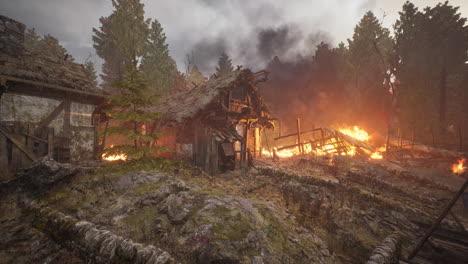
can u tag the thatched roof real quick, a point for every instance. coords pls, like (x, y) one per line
(47, 71)
(20, 65)
(180, 107)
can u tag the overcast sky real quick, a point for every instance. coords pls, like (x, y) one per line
(249, 31)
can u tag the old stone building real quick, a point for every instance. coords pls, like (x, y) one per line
(47, 101)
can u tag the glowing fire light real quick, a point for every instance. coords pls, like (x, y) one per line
(114, 157)
(356, 133)
(459, 167)
(378, 153)
(331, 146)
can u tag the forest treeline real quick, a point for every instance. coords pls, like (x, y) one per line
(413, 75)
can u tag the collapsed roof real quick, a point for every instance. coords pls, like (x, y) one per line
(204, 100)
(52, 73)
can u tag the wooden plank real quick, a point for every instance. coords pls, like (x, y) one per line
(48, 119)
(302, 133)
(3, 154)
(214, 156)
(18, 144)
(67, 119)
(439, 219)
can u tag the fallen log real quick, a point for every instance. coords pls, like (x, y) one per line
(428, 150)
(95, 244)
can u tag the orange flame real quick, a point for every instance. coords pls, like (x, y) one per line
(330, 146)
(114, 157)
(356, 133)
(459, 167)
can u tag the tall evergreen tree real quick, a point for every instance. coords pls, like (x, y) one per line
(369, 54)
(195, 77)
(430, 54)
(157, 65)
(224, 65)
(90, 71)
(127, 108)
(120, 40)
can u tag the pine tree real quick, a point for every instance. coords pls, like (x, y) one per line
(120, 40)
(224, 65)
(90, 71)
(195, 77)
(369, 54)
(157, 65)
(127, 108)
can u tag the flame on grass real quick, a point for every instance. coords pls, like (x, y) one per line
(114, 157)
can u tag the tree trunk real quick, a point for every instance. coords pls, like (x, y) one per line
(443, 100)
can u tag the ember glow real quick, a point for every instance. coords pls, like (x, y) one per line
(330, 146)
(114, 157)
(459, 167)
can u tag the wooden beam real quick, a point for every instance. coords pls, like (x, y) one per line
(295, 134)
(439, 219)
(53, 86)
(18, 144)
(66, 118)
(50, 142)
(47, 120)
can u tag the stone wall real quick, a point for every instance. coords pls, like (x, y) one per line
(30, 109)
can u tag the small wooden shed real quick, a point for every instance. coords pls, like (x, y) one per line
(217, 125)
(46, 104)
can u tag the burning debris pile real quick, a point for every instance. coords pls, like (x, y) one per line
(327, 141)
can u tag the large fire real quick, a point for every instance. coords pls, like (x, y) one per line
(459, 167)
(114, 157)
(330, 147)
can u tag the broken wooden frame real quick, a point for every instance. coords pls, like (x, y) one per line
(329, 141)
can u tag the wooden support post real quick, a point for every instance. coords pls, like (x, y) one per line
(436, 224)
(67, 119)
(387, 143)
(3, 157)
(301, 147)
(103, 143)
(214, 156)
(433, 138)
(460, 137)
(50, 142)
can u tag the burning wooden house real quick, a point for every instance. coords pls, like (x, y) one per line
(46, 102)
(217, 125)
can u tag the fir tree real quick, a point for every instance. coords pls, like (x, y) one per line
(120, 40)
(127, 108)
(90, 71)
(195, 77)
(224, 65)
(157, 65)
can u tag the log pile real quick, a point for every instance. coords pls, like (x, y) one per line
(96, 245)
